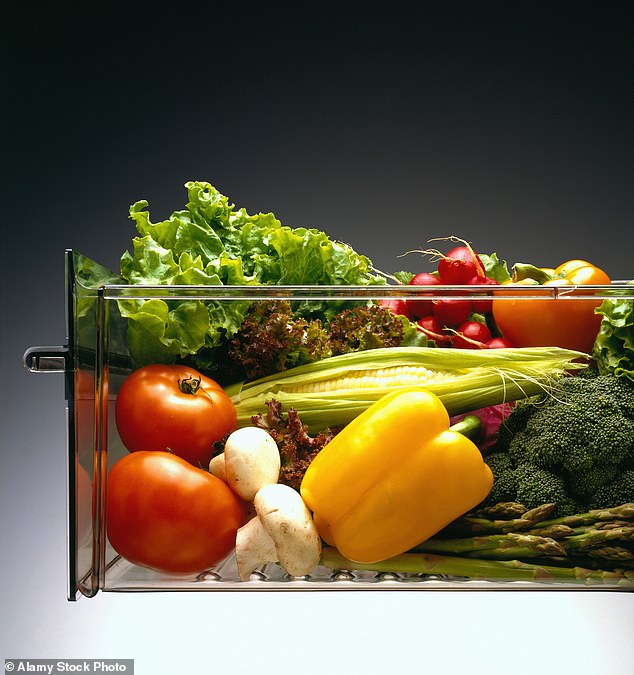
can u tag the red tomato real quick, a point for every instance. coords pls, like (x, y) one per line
(175, 408)
(165, 514)
(84, 505)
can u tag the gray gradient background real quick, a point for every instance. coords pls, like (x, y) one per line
(512, 129)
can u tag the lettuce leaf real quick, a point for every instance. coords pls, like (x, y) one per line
(87, 277)
(495, 268)
(613, 349)
(211, 242)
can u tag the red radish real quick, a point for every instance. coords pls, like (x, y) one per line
(420, 308)
(499, 343)
(471, 335)
(396, 306)
(482, 306)
(433, 329)
(460, 265)
(452, 312)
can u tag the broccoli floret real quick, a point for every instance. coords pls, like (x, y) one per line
(583, 424)
(504, 482)
(513, 424)
(499, 463)
(527, 484)
(537, 486)
(584, 484)
(619, 491)
(569, 446)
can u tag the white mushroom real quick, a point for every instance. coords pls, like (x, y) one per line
(282, 531)
(217, 467)
(251, 461)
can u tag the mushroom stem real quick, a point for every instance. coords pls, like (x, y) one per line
(254, 547)
(283, 531)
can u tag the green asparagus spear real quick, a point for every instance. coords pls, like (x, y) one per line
(481, 525)
(502, 510)
(499, 546)
(619, 554)
(622, 512)
(593, 538)
(473, 568)
(552, 531)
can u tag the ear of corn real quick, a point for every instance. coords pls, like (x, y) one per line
(333, 391)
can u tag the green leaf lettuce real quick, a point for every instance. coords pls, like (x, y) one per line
(614, 346)
(211, 242)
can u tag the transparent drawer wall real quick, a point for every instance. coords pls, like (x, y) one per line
(95, 361)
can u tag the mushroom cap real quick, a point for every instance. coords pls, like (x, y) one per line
(252, 460)
(288, 522)
(217, 467)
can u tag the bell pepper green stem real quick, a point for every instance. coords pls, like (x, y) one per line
(469, 426)
(523, 271)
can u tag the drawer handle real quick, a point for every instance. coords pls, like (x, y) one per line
(46, 359)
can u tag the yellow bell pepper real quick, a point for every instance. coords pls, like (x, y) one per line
(393, 477)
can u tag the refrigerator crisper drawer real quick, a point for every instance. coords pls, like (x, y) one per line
(103, 346)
